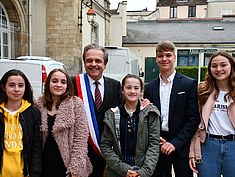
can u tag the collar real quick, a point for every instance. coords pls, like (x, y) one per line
(91, 81)
(123, 110)
(24, 105)
(169, 79)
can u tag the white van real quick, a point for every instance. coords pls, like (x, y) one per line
(36, 68)
(121, 62)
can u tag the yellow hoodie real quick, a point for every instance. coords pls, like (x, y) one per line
(13, 163)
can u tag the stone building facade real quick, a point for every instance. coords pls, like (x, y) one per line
(63, 37)
(51, 28)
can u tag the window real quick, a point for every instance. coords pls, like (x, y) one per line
(206, 58)
(5, 45)
(184, 58)
(173, 12)
(5, 35)
(192, 11)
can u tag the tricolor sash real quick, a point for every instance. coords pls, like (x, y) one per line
(84, 92)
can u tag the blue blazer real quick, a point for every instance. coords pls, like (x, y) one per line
(184, 116)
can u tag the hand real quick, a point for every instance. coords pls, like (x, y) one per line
(131, 173)
(192, 164)
(162, 141)
(167, 148)
(144, 102)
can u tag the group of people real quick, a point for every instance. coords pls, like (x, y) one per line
(91, 125)
(47, 137)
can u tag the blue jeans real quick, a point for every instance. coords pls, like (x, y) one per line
(218, 158)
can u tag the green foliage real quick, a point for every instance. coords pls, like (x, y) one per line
(192, 71)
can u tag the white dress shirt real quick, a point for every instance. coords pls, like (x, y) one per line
(93, 86)
(165, 92)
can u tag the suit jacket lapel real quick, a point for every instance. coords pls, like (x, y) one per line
(106, 93)
(156, 89)
(174, 91)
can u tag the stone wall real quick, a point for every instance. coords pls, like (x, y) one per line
(63, 38)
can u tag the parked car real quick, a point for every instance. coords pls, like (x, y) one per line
(36, 68)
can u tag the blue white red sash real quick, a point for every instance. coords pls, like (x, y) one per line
(84, 92)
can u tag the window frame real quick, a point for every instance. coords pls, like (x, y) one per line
(187, 58)
(192, 11)
(5, 34)
(173, 12)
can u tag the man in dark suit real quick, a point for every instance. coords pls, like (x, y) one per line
(95, 59)
(175, 95)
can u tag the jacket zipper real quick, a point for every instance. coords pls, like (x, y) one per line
(25, 138)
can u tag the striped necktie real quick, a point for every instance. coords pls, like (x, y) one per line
(98, 100)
